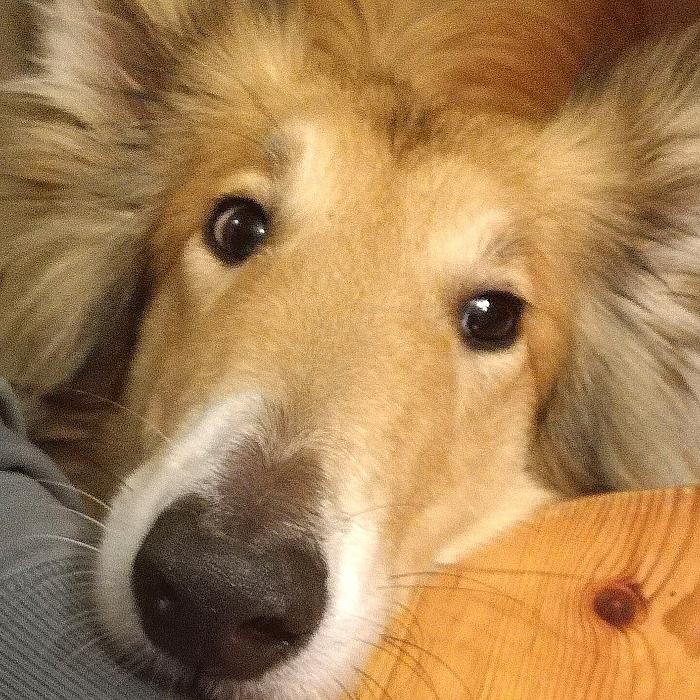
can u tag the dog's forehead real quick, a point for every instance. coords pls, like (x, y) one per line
(462, 213)
(368, 159)
(333, 173)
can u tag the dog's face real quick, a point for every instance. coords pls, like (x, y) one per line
(372, 316)
(347, 338)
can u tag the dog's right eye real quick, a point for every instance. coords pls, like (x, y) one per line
(491, 320)
(236, 227)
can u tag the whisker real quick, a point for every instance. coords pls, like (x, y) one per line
(532, 572)
(400, 655)
(98, 639)
(85, 494)
(383, 506)
(525, 610)
(381, 627)
(87, 518)
(428, 572)
(343, 689)
(487, 590)
(480, 587)
(115, 404)
(408, 627)
(460, 573)
(61, 538)
(373, 681)
(399, 642)
(90, 616)
(414, 622)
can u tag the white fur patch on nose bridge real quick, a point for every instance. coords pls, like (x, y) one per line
(193, 461)
(191, 465)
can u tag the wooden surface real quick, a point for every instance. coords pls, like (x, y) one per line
(595, 599)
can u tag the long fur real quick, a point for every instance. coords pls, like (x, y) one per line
(79, 188)
(625, 410)
(75, 180)
(111, 146)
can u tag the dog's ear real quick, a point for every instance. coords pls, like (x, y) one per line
(621, 205)
(76, 183)
(99, 44)
(79, 181)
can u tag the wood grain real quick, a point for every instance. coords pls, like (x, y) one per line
(597, 598)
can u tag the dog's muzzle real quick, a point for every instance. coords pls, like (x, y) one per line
(223, 597)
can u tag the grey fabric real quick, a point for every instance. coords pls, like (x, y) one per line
(50, 642)
(10, 414)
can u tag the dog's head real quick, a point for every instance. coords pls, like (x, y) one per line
(342, 341)
(359, 297)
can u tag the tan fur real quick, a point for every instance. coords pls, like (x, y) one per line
(407, 165)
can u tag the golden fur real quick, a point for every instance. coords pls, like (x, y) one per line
(412, 153)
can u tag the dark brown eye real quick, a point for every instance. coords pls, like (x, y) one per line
(236, 227)
(491, 320)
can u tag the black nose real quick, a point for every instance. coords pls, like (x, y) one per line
(224, 601)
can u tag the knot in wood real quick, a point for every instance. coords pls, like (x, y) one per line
(619, 603)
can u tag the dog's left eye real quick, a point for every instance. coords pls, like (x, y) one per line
(491, 320)
(236, 227)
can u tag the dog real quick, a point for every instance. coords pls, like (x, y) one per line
(374, 291)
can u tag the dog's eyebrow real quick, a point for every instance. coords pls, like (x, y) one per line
(502, 236)
(490, 247)
(506, 247)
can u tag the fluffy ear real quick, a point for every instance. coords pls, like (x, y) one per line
(621, 193)
(14, 30)
(76, 185)
(106, 44)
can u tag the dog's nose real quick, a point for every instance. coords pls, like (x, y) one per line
(226, 602)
